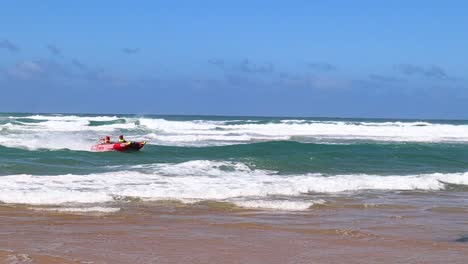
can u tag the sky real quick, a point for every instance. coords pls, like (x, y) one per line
(389, 59)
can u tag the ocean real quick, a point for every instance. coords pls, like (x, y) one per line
(269, 163)
(212, 189)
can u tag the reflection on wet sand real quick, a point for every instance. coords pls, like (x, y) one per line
(211, 233)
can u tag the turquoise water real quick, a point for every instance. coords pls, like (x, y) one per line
(46, 158)
(285, 157)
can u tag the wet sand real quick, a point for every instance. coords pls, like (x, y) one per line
(146, 233)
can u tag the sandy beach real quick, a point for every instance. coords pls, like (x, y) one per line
(212, 234)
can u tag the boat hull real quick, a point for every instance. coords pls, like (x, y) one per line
(122, 147)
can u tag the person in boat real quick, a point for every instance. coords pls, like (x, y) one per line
(105, 140)
(121, 139)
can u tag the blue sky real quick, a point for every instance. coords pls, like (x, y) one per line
(295, 58)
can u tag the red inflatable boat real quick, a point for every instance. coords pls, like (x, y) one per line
(127, 146)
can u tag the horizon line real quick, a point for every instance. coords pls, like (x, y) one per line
(242, 116)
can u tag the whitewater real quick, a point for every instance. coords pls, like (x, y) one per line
(250, 162)
(77, 132)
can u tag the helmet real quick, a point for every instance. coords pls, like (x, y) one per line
(121, 136)
(107, 138)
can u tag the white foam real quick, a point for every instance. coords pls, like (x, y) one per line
(76, 133)
(278, 204)
(310, 132)
(189, 131)
(205, 180)
(52, 141)
(69, 118)
(97, 209)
